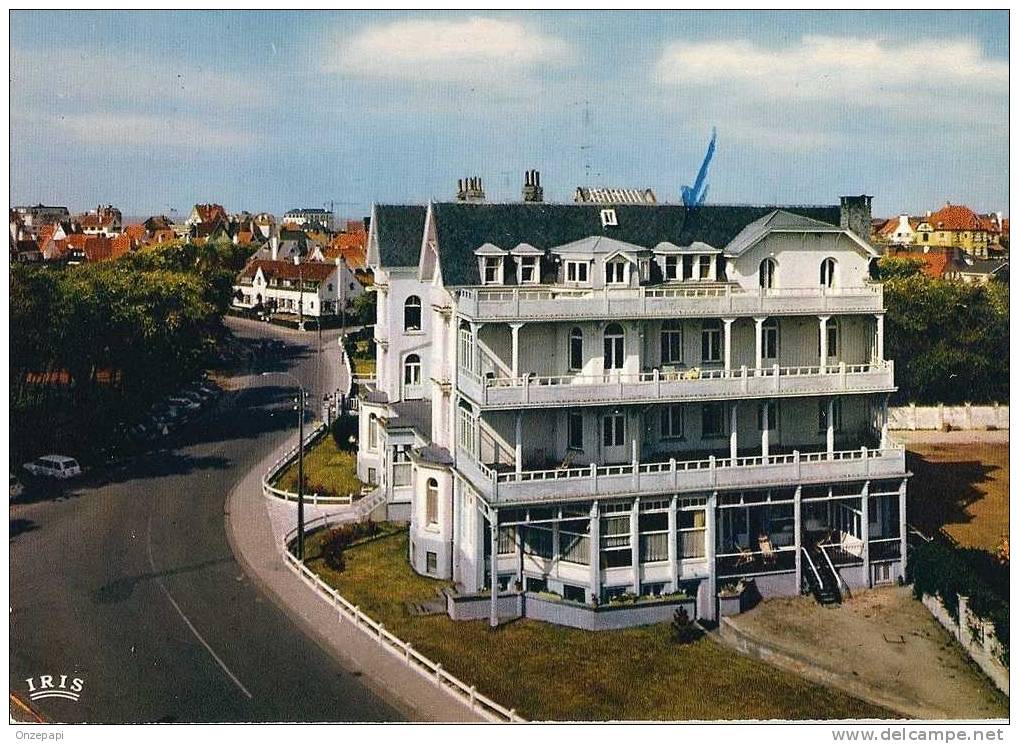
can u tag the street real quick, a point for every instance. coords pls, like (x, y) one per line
(126, 579)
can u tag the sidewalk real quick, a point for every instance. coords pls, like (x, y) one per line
(251, 535)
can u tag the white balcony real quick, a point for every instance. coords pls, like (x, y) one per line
(689, 385)
(487, 304)
(678, 476)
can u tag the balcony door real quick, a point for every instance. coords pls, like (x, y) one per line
(615, 446)
(614, 358)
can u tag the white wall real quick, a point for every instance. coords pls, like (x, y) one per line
(799, 261)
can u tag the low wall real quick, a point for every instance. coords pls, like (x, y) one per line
(975, 635)
(512, 605)
(966, 416)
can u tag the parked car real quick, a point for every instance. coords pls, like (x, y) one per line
(183, 403)
(54, 466)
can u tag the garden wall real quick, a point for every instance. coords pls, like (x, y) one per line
(976, 636)
(913, 417)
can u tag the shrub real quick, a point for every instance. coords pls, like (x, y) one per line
(683, 629)
(343, 429)
(342, 537)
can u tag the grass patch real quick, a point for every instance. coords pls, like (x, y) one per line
(548, 672)
(363, 367)
(327, 470)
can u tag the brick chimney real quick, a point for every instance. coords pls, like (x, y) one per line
(854, 214)
(532, 187)
(470, 190)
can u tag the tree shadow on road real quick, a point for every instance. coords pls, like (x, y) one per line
(122, 588)
(21, 526)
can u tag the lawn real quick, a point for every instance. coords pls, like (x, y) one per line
(548, 672)
(327, 470)
(960, 483)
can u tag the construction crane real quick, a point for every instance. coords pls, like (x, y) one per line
(694, 196)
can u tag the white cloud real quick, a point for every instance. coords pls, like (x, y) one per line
(471, 50)
(848, 70)
(137, 130)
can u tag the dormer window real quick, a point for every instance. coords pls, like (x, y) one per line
(527, 270)
(492, 270)
(576, 272)
(704, 267)
(615, 272)
(608, 218)
(673, 266)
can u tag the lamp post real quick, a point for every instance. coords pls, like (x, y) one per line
(300, 292)
(300, 461)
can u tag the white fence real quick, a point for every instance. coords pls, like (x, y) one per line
(939, 417)
(283, 462)
(975, 635)
(433, 671)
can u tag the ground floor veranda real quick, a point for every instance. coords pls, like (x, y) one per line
(695, 545)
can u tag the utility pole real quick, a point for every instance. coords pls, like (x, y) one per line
(300, 476)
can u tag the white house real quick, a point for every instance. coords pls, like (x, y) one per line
(313, 288)
(647, 400)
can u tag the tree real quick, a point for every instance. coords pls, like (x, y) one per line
(364, 308)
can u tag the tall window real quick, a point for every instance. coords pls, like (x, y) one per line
(528, 270)
(615, 541)
(766, 273)
(401, 466)
(575, 427)
(769, 339)
(771, 407)
(576, 272)
(613, 346)
(673, 268)
(574, 540)
(672, 422)
(828, 267)
(712, 420)
(373, 432)
(615, 272)
(672, 342)
(832, 333)
(613, 430)
(692, 525)
(412, 370)
(654, 534)
(711, 341)
(412, 314)
(432, 502)
(576, 349)
(493, 270)
(704, 267)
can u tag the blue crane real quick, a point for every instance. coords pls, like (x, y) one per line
(694, 196)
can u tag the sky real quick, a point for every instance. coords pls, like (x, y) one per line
(155, 111)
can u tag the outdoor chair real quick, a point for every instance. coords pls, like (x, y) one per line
(767, 550)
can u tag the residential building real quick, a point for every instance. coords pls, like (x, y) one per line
(311, 288)
(35, 216)
(898, 232)
(309, 218)
(103, 220)
(206, 214)
(598, 400)
(957, 226)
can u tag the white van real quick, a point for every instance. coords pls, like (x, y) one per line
(54, 466)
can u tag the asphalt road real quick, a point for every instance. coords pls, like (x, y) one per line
(127, 580)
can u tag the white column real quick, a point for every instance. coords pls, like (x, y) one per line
(798, 534)
(493, 612)
(733, 437)
(594, 559)
(758, 344)
(515, 330)
(476, 348)
(765, 424)
(823, 319)
(865, 531)
(902, 527)
(635, 544)
(884, 422)
(673, 546)
(518, 444)
(518, 540)
(711, 611)
(727, 340)
(830, 431)
(879, 340)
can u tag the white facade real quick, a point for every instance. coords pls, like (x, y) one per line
(687, 413)
(323, 288)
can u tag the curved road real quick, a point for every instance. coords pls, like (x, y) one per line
(127, 580)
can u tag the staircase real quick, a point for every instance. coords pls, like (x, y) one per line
(819, 578)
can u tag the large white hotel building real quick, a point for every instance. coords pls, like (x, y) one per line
(578, 402)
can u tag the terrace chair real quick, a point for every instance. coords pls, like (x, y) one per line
(567, 460)
(744, 557)
(767, 550)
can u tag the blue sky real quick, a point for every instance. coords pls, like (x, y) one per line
(268, 111)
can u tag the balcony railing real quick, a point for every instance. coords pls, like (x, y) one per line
(676, 476)
(682, 385)
(716, 300)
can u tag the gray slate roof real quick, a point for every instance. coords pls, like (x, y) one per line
(462, 228)
(400, 230)
(778, 219)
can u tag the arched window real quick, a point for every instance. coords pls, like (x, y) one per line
(613, 346)
(412, 314)
(766, 273)
(828, 267)
(576, 349)
(412, 370)
(432, 501)
(373, 432)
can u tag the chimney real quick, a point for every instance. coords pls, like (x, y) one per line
(532, 187)
(854, 215)
(470, 190)
(274, 246)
